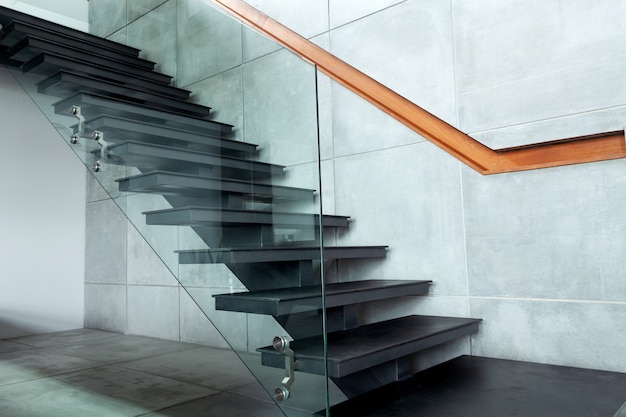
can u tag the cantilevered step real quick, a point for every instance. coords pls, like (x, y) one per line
(149, 156)
(285, 301)
(93, 105)
(188, 185)
(47, 64)
(32, 46)
(63, 84)
(9, 15)
(364, 347)
(277, 254)
(15, 31)
(118, 128)
(218, 217)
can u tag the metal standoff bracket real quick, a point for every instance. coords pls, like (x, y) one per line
(281, 344)
(80, 131)
(104, 149)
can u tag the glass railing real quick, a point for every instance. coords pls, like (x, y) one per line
(230, 211)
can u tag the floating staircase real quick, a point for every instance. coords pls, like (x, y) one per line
(210, 181)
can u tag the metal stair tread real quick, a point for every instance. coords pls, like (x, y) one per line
(189, 185)
(284, 301)
(278, 254)
(48, 63)
(138, 130)
(65, 83)
(210, 216)
(151, 156)
(357, 349)
(8, 15)
(17, 29)
(31, 46)
(93, 104)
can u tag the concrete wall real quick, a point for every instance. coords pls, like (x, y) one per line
(42, 221)
(537, 255)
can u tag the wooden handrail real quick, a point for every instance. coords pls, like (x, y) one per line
(460, 145)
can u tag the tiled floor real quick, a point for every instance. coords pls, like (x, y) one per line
(94, 373)
(101, 374)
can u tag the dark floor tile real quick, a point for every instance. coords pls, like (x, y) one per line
(8, 346)
(121, 348)
(25, 365)
(50, 398)
(62, 338)
(222, 405)
(473, 386)
(150, 392)
(215, 368)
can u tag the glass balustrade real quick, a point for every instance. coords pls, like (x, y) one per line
(231, 201)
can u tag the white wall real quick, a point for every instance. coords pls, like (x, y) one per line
(72, 13)
(42, 221)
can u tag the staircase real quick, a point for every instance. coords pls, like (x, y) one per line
(222, 189)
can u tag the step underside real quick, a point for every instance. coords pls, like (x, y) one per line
(364, 347)
(278, 254)
(285, 301)
(157, 157)
(93, 105)
(188, 185)
(64, 84)
(136, 130)
(219, 217)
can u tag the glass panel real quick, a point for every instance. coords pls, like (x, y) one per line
(234, 212)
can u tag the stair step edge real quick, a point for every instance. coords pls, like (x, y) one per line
(31, 46)
(303, 299)
(182, 184)
(17, 30)
(48, 63)
(7, 16)
(93, 105)
(278, 254)
(64, 83)
(128, 129)
(203, 216)
(361, 348)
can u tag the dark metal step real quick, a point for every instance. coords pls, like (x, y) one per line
(277, 254)
(285, 301)
(93, 105)
(118, 128)
(149, 156)
(47, 64)
(8, 15)
(212, 217)
(364, 347)
(31, 46)
(188, 185)
(16, 30)
(63, 84)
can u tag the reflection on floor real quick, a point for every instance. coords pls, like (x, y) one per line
(95, 373)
